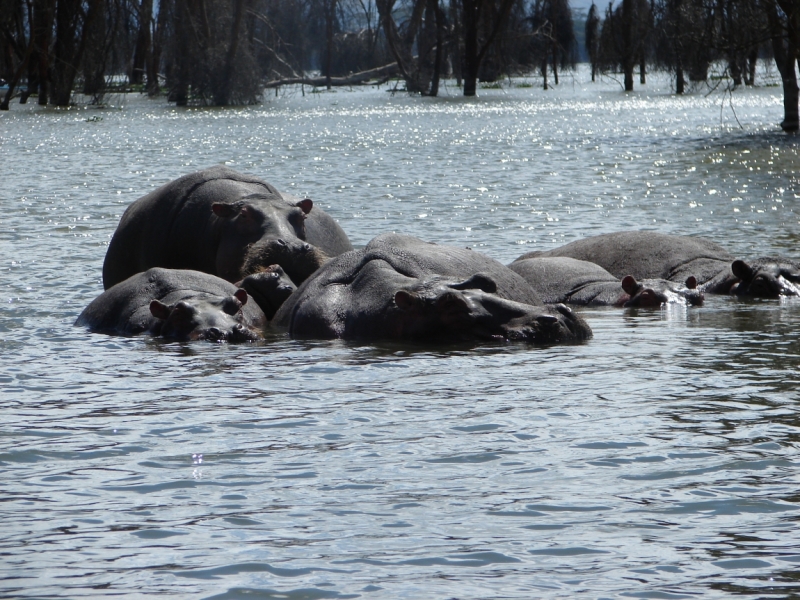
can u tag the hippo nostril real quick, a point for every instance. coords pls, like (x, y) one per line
(214, 333)
(546, 319)
(306, 248)
(281, 243)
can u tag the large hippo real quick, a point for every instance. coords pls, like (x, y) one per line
(225, 223)
(399, 287)
(572, 281)
(647, 254)
(176, 304)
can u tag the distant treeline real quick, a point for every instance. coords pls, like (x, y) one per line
(222, 52)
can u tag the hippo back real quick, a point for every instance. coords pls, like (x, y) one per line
(556, 279)
(416, 258)
(172, 226)
(648, 255)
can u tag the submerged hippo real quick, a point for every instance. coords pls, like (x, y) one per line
(647, 254)
(225, 223)
(572, 281)
(399, 287)
(176, 304)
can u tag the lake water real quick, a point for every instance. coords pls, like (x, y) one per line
(658, 460)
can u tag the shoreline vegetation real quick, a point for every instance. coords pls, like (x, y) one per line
(228, 52)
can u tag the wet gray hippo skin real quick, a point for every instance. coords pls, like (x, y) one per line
(399, 287)
(651, 255)
(572, 281)
(176, 304)
(225, 223)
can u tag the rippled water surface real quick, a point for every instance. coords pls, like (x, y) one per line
(658, 460)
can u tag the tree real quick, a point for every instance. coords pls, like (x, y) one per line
(592, 37)
(784, 25)
(68, 50)
(17, 44)
(477, 43)
(212, 54)
(554, 36)
(423, 30)
(624, 39)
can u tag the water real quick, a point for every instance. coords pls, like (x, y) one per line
(658, 460)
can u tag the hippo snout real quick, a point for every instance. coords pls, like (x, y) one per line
(558, 324)
(765, 286)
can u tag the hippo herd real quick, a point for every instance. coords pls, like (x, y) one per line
(222, 256)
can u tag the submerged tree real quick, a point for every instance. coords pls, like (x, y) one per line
(592, 38)
(784, 25)
(212, 56)
(423, 31)
(554, 36)
(625, 39)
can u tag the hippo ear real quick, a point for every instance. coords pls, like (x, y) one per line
(159, 310)
(233, 304)
(305, 205)
(742, 270)
(691, 282)
(222, 210)
(241, 296)
(630, 285)
(479, 281)
(406, 300)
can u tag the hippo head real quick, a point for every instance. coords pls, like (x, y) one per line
(269, 287)
(204, 317)
(655, 292)
(766, 278)
(468, 310)
(260, 230)
(297, 258)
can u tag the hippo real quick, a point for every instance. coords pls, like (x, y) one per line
(224, 223)
(269, 287)
(647, 254)
(176, 304)
(402, 288)
(572, 281)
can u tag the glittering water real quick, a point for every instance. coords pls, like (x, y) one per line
(658, 460)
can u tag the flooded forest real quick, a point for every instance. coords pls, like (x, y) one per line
(228, 52)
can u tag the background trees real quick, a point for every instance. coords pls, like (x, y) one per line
(226, 51)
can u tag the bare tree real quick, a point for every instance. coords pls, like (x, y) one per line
(592, 37)
(784, 24)
(423, 30)
(554, 36)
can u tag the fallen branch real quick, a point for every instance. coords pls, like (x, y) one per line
(363, 77)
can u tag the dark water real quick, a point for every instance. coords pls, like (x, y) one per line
(658, 460)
